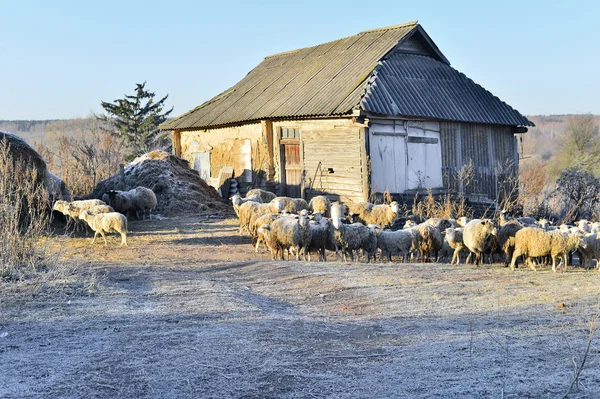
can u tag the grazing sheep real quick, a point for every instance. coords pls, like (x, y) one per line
(454, 238)
(291, 205)
(113, 222)
(134, 201)
(264, 196)
(532, 242)
(506, 239)
(397, 242)
(477, 237)
(352, 237)
(381, 215)
(320, 236)
(73, 209)
(291, 232)
(320, 204)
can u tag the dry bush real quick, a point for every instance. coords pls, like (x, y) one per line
(445, 207)
(24, 218)
(82, 160)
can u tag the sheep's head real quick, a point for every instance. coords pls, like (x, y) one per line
(395, 207)
(59, 205)
(236, 200)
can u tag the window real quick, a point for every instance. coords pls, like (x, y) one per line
(290, 133)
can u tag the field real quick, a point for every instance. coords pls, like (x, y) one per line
(188, 310)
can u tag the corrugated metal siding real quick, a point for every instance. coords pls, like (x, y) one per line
(489, 147)
(416, 85)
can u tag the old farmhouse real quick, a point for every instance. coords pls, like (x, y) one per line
(381, 110)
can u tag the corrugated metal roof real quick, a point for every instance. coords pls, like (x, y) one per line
(420, 86)
(332, 79)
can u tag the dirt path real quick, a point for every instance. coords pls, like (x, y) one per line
(188, 310)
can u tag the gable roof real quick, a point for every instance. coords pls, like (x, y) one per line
(337, 77)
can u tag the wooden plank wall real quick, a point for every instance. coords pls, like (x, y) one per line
(340, 151)
(490, 148)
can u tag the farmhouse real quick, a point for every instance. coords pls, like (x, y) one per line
(381, 110)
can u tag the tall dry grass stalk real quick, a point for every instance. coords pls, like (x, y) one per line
(445, 207)
(24, 218)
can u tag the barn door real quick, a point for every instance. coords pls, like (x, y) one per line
(292, 169)
(388, 162)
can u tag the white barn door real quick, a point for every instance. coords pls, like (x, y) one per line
(388, 162)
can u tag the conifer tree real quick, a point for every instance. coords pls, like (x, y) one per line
(135, 120)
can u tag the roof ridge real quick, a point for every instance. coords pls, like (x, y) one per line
(404, 25)
(392, 27)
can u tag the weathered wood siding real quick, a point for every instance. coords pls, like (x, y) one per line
(489, 149)
(339, 145)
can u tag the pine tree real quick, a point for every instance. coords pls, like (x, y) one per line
(135, 120)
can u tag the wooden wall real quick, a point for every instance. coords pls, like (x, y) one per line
(490, 149)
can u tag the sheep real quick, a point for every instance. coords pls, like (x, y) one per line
(584, 226)
(428, 239)
(441, 224)
(264, 196)
(291, 232)
(533, 242)
(73, 209)
(477, 237)
(352, 237)
(462, 221)
(292, 205)
(237, 201)
(381, 215)
(106, 223)
(251, 209)
(506, 239)
(320, 204)
(264, 234)
(589, 249)
(320, 236)
(256, 222)
(454, 238)
(134, 201)
(394, 242)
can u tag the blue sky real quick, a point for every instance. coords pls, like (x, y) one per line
(60, 59)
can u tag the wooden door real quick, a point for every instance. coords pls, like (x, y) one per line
(388, 162)
(292, 169)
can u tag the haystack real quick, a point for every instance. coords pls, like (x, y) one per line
(179, 189)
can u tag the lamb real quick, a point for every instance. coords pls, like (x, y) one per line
(106, 223)
(320, 236)
(291, 232)
(320, 204)
(352, 237)
(533, 242)
(134, 201)
(506, 239)
(381, 215)
(454, 238)
(264, 196)
(477, 237)
(255, 223)
(292, 205)
(394, 242)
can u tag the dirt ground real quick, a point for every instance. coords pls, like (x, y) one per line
(188, 310)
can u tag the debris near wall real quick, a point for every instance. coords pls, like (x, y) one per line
(179, 189)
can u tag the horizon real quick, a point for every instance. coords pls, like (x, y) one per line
(67, 58)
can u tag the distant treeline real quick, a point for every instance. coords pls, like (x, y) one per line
(46, 131)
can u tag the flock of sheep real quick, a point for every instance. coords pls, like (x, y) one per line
(292, 225)
(108, 215)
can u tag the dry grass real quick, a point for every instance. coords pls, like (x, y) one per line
(188, 310)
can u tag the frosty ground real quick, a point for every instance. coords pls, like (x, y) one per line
(188, 310)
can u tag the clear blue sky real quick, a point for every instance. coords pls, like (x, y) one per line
(59, 59)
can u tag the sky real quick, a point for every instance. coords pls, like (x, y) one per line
(59, 59)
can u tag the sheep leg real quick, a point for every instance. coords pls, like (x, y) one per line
(104, 236)
(95, 235)
(123, 239)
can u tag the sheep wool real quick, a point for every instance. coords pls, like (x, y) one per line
(320, 204)
(264, 196)
(477, 237)
(291, 232)
(135, 201)
(102, 223)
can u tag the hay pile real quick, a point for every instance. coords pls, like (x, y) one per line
(179, 190)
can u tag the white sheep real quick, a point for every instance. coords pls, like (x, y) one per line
(237, 202)
(290, 232)
(113, 222)
(454, 238)
(73, 209)
(135, 201)
(381, 215)
(264, 196)
(477, 237)
(249, 210)
(532, 242)
(320, 204)
(394, 243)
(291, 205)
